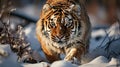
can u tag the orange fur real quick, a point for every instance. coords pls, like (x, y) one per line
(49, 31)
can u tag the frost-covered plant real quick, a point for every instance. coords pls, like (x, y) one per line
(110, 43)
(15, 38)
(113, 45)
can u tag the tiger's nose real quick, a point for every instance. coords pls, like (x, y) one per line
(60, 36)
(60, 39)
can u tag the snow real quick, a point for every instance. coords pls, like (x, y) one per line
(96, 57)
(97, 38)
(62, 64)
(31, 36)
(100, 59)
(10, 59)
(114, 61)
(42, 64)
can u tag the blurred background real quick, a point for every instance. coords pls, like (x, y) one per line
(103, 12)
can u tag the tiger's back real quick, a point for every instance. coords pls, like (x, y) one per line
(63, 27)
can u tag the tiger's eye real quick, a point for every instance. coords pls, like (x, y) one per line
(52, 24)
(69, 22)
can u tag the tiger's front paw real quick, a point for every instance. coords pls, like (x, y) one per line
(71, 54)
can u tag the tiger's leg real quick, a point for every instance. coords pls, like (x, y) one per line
(78, 57)
(50, 55)
(69, 56)
(74, 53)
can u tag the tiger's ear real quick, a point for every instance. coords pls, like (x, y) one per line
(46, 7)
(75, 8)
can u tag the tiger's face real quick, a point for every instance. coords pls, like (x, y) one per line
(60, 27)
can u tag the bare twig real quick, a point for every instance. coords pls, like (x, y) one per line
(16, 38)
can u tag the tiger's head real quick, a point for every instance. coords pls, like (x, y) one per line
(60, 27)
(60, 23)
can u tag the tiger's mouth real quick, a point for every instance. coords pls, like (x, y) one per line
(59, 41)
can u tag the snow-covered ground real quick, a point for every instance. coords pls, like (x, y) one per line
(96, 58)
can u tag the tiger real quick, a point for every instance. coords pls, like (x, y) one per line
(64, 28)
